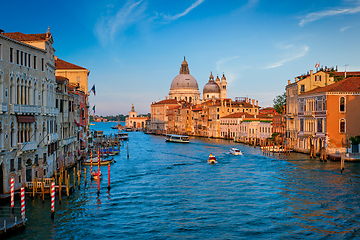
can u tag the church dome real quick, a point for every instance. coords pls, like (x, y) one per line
(184, 80)
(211, 87)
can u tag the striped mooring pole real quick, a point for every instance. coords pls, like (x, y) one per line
(23, 203)
(52, 199)
(12, 194)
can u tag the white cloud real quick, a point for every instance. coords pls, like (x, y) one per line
(294, 54)
(108, 27)
(194, 5)
(343, 29)
(311, 17)
(223, 61)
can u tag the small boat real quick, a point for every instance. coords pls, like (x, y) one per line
(123, 136)
(114, 127)
(235, 151)
(177, 138)
(95, 162)
(94, 175)
(212, 159)
(128, 129)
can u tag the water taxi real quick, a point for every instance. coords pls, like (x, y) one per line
(212, 159)
(103, 162)
(276, 149)
(177, 138)
(235, 151)
(123, 136)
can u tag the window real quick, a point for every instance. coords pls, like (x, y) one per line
(29, 59)
(34, 62)
(37, 160)
(342, 104)
(302, 88)
(22, 58)
(0, 51)
(224, 87)
(42, 65)
(12, 165)
(319, 125)
(342, 126)
(301, 125)
(17, 57)
(11, 55)
(25, 59)
(19, 163)
(318, 78)
(44, 160)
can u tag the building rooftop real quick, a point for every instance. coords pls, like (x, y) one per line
(351, 84)
(61, 64)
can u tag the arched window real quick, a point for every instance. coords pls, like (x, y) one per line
(342, 104)
(342, 126)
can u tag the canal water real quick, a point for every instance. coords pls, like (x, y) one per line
(169, 191)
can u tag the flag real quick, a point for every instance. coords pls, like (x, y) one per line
(77, 124)
(93, 89)
(93, 108)
(316, 65)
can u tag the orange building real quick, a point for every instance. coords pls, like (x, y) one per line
(329, 115)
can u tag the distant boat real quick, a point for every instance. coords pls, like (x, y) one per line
(95, 161)
(235, 151)
(212, 159)
(276, 149)
(128, 129)
(177, 138)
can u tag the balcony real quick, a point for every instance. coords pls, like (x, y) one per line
(65, 114)
(27, 109)
(46, 110)
(54, 111)
(68, 140)
(4, 107)
(27, 146)
(14, 108)
(38, 109)
(52, 137)
(309, 114)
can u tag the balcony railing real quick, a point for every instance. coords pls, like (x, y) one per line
(4, 107)
(27, 146)
(52, 137)
(14, 108)
(54, 111)
(309, 113)
(68, 140)
(38, 109)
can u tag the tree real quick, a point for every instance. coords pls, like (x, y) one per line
(279, 103)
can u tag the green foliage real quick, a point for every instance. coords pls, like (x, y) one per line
(355, 140)
(279, 101)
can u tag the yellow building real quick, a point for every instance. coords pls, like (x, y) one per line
(302, 84)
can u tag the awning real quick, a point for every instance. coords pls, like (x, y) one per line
(26, 119)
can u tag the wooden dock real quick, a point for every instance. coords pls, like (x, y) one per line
(9, 225)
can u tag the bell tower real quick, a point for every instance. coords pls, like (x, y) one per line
(223, 87)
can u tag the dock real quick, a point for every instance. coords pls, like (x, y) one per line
(9, 225)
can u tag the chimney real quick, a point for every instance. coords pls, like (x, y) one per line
(296, 79)
(249, 100)
(230, 103)
(257, 103)
(55, 58)
(311, 72)
(253, 102)
(289, 82)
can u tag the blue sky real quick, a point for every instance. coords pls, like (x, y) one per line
(134, 49)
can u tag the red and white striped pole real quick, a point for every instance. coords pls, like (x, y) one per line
(52, 199)
(23, 203)
(12, 194)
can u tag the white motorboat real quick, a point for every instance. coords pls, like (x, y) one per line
(123, 136)
(235, 151)
(177, 138)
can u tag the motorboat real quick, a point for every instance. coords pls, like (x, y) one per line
(94, 175)
(212, 159)
(235, 151)
(123, 136)
(177, 138)
(128, 129)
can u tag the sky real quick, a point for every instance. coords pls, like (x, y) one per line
(134, 48)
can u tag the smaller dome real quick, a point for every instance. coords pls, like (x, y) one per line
(211, 87)
(223, 78)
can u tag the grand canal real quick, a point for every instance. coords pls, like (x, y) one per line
(168, 191)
